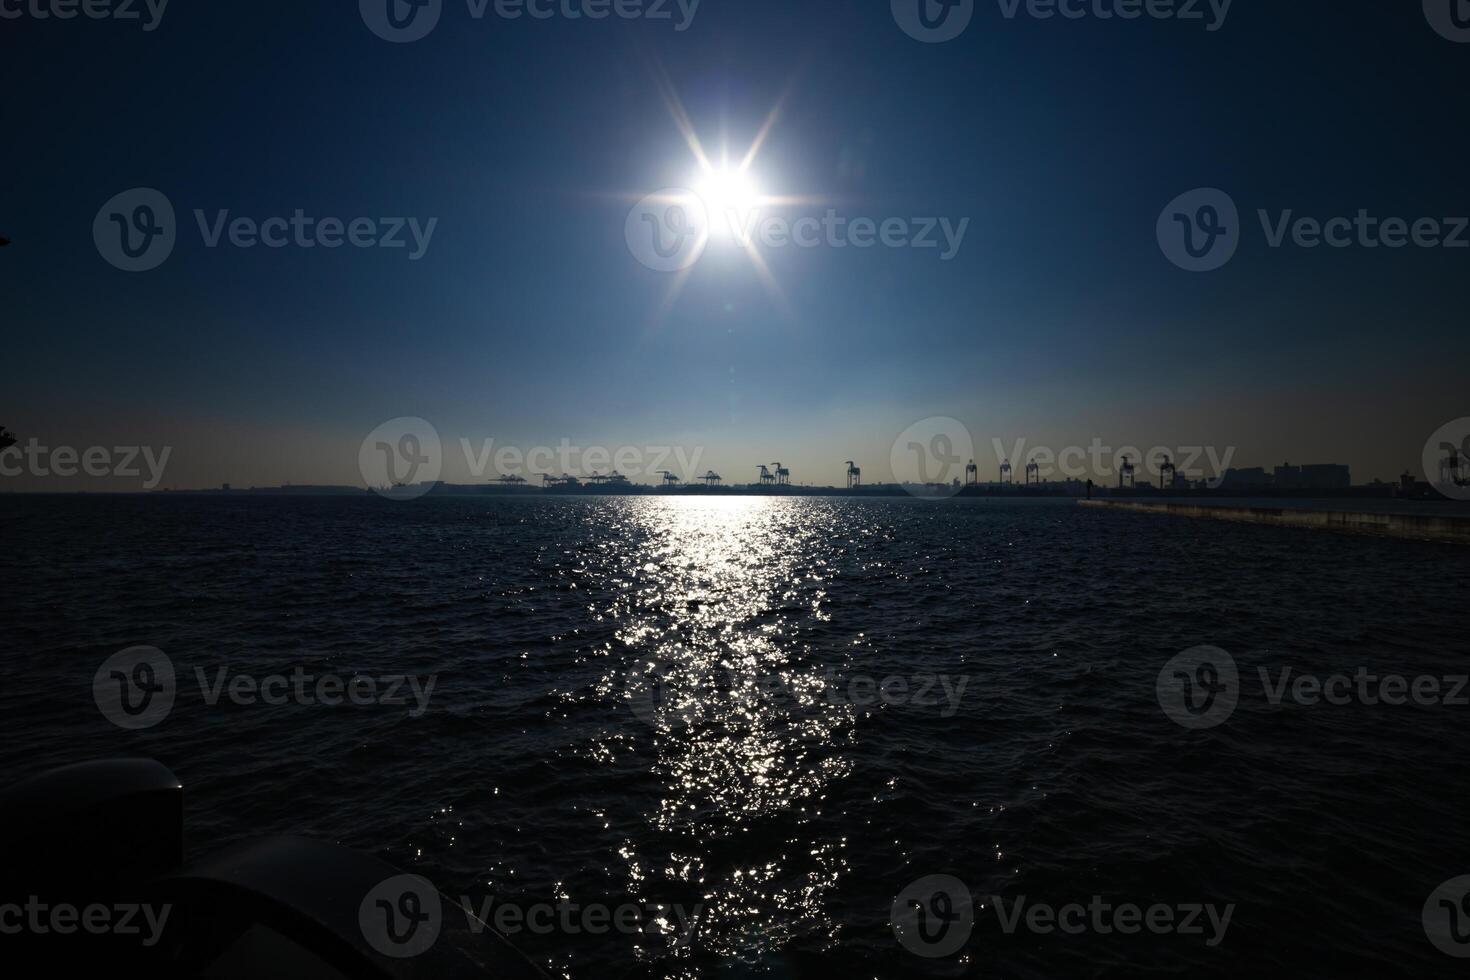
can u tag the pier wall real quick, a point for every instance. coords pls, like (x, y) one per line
(1422, 527)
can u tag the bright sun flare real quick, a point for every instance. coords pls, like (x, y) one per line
(730, 197)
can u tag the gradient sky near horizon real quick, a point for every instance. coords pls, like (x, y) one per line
(529, 321)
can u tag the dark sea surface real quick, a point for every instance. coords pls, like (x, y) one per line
(644, 700)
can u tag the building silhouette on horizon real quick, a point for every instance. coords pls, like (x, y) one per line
(1312, 476)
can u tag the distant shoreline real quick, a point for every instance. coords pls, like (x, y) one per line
(1380, 493)
(1447, 527)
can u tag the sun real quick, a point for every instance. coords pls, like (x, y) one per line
(731, 200)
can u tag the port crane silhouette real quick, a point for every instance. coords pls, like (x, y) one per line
(1125, 474)
(1033, 469)
(1168, 474)
(766, 476)
(783, 475)
(972, 474)
(854, 475)
(1006, 474)
(670, 480)
(1453, 471)
(711, 479)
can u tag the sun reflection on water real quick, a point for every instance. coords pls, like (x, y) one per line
(714, 668)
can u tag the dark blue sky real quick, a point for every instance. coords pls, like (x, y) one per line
(529, 321)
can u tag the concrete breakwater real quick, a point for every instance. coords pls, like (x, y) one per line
(1423, 527)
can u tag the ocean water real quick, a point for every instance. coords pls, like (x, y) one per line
(678, 704)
